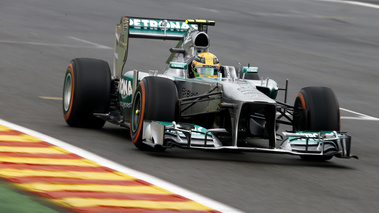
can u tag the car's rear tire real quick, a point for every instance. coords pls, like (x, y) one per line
(316, 109)
(155, 99)
(86, 90)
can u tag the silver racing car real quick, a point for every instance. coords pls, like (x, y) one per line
(198, 103)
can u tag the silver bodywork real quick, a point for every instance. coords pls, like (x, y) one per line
(248, 104)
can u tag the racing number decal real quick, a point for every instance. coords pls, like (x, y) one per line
(69, 79)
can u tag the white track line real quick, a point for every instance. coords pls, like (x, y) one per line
(358, 3)
(44, 44)
(360, 116)
(51, 98)
(107, 163)
(91, 44)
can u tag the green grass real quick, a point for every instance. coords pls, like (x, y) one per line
(14, 202)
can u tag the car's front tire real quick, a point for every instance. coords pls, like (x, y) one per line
(155, 99)
(316, 109)
(86, 90)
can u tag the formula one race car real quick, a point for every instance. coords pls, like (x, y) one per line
(198, 103)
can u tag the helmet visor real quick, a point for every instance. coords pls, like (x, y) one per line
(207, 71)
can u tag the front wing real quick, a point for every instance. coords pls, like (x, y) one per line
(170, 134)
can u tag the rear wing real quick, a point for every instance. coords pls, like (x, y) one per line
(150, 28)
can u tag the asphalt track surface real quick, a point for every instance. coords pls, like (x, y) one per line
(309, 42)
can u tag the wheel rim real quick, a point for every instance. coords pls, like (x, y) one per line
(67, 92)
(136, 114)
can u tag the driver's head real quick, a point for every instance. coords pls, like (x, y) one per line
(205, 65)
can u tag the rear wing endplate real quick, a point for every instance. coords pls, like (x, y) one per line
(150, 28)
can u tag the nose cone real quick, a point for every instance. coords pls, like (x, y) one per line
(245, 92)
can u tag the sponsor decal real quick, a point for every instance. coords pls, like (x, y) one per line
(176, 65)
(197, 132)
(125, 88)
(312, 138)
(308, 134)
(125, 105)
(250, 69)
(188, 93)
(160, 24)
(248, 91)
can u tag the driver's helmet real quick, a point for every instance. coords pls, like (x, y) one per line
(205, 64)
